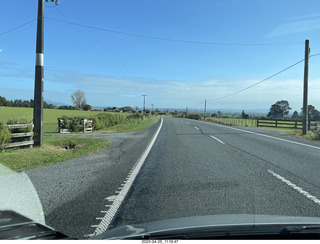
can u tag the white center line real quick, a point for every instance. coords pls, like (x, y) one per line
(295, 187)
(217, 140)
(196, 128)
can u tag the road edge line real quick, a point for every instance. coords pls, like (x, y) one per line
(106, 220)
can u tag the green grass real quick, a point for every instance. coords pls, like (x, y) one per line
(50, 116)
(252, 122)
(311, 136)
(130, 126)
(52, 151)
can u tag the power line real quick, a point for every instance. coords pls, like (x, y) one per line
(115, 61)
(85, 37)
(174, 40)
(257, 82)
(263, 79)
(17, 27)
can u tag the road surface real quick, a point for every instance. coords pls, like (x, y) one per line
(192, 168)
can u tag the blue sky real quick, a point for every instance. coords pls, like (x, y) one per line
(116, 69)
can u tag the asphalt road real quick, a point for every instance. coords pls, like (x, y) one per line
(197, 168)
(193, 168)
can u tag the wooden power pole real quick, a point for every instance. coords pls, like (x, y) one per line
(205, 109)
(305, 89)
(38, 81)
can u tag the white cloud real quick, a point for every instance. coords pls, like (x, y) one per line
(109, 91)
(296, 27)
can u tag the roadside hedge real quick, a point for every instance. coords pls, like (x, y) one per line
(99, 121)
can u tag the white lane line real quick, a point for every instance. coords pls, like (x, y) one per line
(295, 187)
(217, 140)
(277, 138)
(187, 123)
(196, 128)
(106, 220)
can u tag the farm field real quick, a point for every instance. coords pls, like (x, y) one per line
(50, 116)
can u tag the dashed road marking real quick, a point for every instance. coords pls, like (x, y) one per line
(196, 128)
(217, 140)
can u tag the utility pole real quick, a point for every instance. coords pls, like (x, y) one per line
(186, 111)
(144, 103)
(152, 107)
(305, 89)
(205, 109)
(38, 81)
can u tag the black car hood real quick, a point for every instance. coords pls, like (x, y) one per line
(243, 223)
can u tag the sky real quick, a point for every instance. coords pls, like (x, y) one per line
(177, 52)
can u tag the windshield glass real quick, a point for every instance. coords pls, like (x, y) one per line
(124, 112)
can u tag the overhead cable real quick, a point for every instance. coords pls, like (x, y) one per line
(19, 26)
(263, 79)
(174, 40)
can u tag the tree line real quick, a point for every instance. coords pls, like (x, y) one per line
(23, 103)
(281, 109)
(30, 104)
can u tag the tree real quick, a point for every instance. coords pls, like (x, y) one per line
(87, 107)
(279, 109)
(295, 115)
(313, 113)
(244, 115)
(78, 99)
(126, 109)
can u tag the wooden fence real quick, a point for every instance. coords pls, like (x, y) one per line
(314, 125)
(20, 139)
(289, 124)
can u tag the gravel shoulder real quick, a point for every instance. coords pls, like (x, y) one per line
(72, 193)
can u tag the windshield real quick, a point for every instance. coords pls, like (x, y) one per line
(125, 112)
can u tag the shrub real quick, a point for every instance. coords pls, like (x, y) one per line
(135, 116)
(21, 120)
(194, 116)
(73, 124)
(5, 135)
(315, 135)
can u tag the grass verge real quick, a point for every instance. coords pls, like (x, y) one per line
(54, 147)
(130, 126)
(53, 151)
(310, 136)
